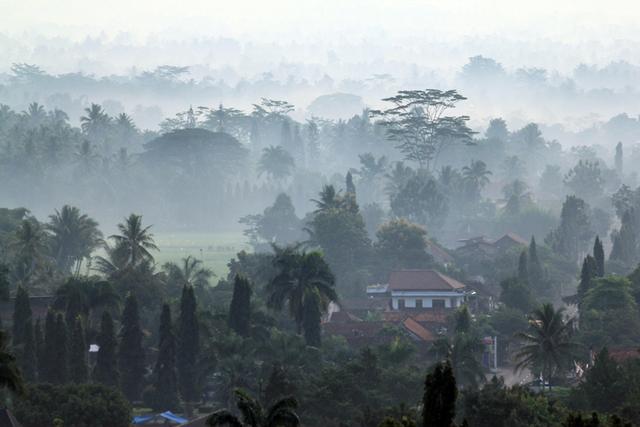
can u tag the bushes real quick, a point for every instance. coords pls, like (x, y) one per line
(85, 405)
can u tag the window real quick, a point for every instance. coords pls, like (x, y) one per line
(401, 304)
(418, 303)
(437, 303)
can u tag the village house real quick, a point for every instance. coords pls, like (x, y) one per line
(482, 247)
(419, 290)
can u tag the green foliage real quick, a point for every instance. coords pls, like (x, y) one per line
(312, 316)
(74, 237)
(21, 315)
(401, 245)
(439, 399)
(188, 346)
(302, 276)
(516, 294)
(278, 224)
(585, 180)
(164, 394)
(523, 270)
(598, 255)
(496, 405)
(418, 124)
(78, 369)
(54, 367)
(276, 162)
(536, 272)
(338, 229)
(574, 231)
(281, 414)
(5, 284)
(421, 201)
(625, 244)
(28, 355)
(604, 378)
(240, 309)
(10, 375)
(106, 369)
(587, 274)
(593, 420)
(77, 405)
(609, 314)
(131, 358)
(547, 347)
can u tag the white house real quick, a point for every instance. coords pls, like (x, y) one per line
(424, 289)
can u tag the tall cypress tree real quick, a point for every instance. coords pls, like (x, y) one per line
(188, 345)
(439, 399)
(166, 381)
(240, 308)
(311, 318)
(624, 242)
(106, 369)
(598, 255)
(38, 336)
(523, 269)
(47, 363)
(61, 350)
(78, 370)
(536, 273)
(619, 159)
(587, 274)
(130, 351)
(28, 356)
(21, 315)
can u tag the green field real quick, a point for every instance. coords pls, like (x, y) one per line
(215, 249)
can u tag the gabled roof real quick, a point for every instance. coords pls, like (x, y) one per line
(418, 330)
(511, 238)
(422, 280)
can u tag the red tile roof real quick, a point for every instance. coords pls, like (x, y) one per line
(418, 330)
(422, 280)
(621, 355)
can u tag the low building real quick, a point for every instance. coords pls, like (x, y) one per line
(424, 289)
(484, 248)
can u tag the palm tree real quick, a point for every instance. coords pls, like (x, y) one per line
(280, 414)
(74, 237)
(85, 296)
(448, 176)
(10, 376)
(548, 347)
(30, 247)
(398, 177)
(276, 162)
(463, 350)
(476, 175)
(35, 114)
(301, 276)
(135, 241)
(190, 273)
(95, 121)
(329, 199)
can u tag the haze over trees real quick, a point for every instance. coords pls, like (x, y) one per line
(256, 249)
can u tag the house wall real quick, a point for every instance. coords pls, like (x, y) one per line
(411, 299)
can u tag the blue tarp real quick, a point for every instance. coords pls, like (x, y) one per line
(167, 415)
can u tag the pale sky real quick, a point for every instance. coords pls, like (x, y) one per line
(571, 20)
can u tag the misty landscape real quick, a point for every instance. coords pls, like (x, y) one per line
(383, 214)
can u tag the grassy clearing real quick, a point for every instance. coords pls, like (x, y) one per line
(215, 249)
